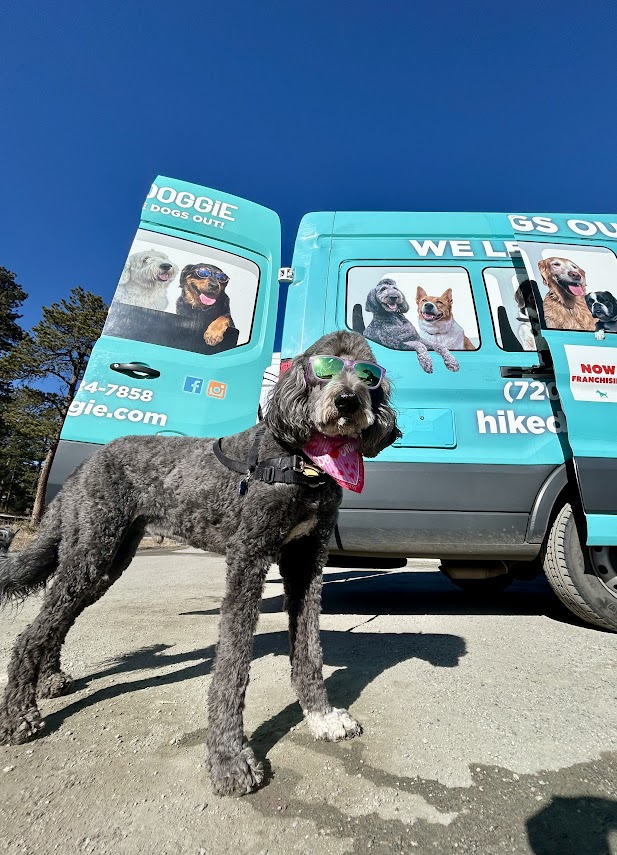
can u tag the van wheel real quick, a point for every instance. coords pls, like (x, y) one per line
(583, 577)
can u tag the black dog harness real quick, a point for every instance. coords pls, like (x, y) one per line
(293, 469)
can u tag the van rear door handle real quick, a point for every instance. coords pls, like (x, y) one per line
(138, 370)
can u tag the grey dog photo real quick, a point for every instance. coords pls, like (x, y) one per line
(145, 279)
(390, 328)
(201, 491)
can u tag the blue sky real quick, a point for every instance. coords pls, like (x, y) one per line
(297, 106)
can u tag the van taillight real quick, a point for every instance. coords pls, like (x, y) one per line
(284, 366)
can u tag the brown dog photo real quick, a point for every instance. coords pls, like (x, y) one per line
(436, 321)
(564, 305)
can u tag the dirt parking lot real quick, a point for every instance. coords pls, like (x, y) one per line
(489, 727)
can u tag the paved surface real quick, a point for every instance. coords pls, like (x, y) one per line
(489, 727)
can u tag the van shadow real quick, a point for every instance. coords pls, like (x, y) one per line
(358, 657)
(420, 592)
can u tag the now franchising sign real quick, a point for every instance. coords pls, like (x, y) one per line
(593, 373)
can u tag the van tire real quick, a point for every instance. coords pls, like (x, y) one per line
(571, 576)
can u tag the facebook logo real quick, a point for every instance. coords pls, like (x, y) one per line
(193, 384)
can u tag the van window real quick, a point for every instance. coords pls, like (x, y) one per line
(181, 294)
(578, 284)
(512, 326)
(434, 300)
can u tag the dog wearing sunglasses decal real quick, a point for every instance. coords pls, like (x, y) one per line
(203, 296)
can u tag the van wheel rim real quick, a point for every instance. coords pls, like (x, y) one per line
(603, 561)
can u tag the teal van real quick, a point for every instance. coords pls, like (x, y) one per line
(496, 330)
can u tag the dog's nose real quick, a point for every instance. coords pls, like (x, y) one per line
(347, 402)
(165, 266)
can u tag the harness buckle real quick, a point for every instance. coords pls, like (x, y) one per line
(298, 463)
(267, 474)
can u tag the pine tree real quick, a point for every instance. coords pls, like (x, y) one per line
(12, 296)
(58, 348)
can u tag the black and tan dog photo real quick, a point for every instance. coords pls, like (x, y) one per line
(203, 297)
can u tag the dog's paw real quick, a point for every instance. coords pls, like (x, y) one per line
(212, 338)
(426, 363)
(54, 684)
(451, 363)
(333, 726)
(237, 775)
(17, 729)
(600, 335)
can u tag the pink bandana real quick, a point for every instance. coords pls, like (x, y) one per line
(340, 457)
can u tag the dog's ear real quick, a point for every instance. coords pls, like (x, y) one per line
(372, 305)
(404, 305)
(126, 273)
(384, 430)
(185, 272)
(543, 267)
(447, 296)
(287, 413)
(420, 294)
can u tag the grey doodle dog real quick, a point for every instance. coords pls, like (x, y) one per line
(391, 328)
(253, 496)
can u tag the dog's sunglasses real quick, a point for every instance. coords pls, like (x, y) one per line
(324, 368)
(206, 273)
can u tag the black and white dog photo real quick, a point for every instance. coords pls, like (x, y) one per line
(603, 307)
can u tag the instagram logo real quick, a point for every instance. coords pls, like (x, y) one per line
(216, 389)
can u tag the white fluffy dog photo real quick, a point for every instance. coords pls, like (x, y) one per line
(145, 279)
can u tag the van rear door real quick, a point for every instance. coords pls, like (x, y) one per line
(573, 275)
(191, 327)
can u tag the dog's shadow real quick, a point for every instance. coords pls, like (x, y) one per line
(358, 656)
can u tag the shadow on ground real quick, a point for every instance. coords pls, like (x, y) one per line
(418, 592)
(573, 826)
(357, 656)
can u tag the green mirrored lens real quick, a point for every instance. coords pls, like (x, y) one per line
(327, 367)
(368, 373)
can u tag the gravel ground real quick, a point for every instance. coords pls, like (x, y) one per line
(489, 727)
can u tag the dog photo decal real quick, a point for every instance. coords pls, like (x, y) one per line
(578, 285)
(511, 322)
(413, 309)
(181, 294)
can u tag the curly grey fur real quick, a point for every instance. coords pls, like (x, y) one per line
(391, 328)
(175, 485)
